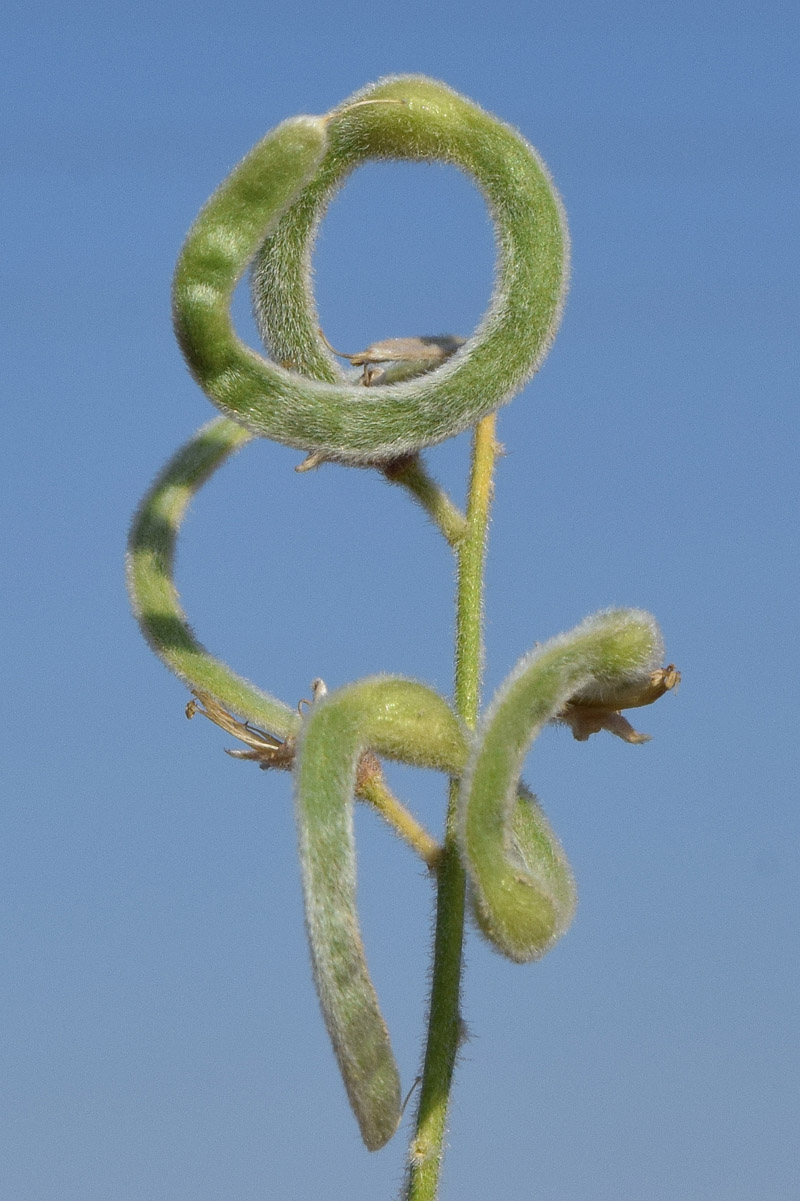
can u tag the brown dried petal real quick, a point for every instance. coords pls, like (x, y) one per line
(592, 710)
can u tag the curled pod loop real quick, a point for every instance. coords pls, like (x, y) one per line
(521, 887)
(306, 402)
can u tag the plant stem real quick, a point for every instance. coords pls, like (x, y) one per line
(444, 1019)
(373, 788)
(411, 472)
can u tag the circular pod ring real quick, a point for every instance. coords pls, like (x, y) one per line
(270, 206)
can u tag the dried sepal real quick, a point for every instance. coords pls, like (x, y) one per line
(265, 749)
(593, 709)
(408, 357)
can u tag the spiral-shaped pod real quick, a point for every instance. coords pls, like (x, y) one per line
(521, 888)
(271, 205)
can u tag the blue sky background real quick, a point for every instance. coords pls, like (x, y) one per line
(160, 1033)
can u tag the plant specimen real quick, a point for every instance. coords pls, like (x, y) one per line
(497, 853)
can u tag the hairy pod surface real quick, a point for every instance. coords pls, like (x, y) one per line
(401, 720)
(277, 196)
(524, 899)
(154, 597)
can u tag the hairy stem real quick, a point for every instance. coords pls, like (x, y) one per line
(444, 1020)
(373, 789)
(412, 474)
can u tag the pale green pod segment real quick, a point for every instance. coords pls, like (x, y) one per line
(219, 246)
(523, 895)
(411, 118)
(534, 852)
(399, 719)
(154, 597)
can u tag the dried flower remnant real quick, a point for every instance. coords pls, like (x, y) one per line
(409, 357)
(266, 750)
(590, 711)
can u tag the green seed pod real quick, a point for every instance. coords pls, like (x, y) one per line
(402, 720)
(521, 887)
(544, 893)
(154, 597)
(277, 196)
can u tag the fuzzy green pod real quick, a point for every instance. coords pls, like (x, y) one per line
(535, 857)
(154, 597)
(219, 246)
(401, 720)
(524, 900)
(301, 397)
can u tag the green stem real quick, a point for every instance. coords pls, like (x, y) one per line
(373, 789)
(444, 1020)
(412, 474)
